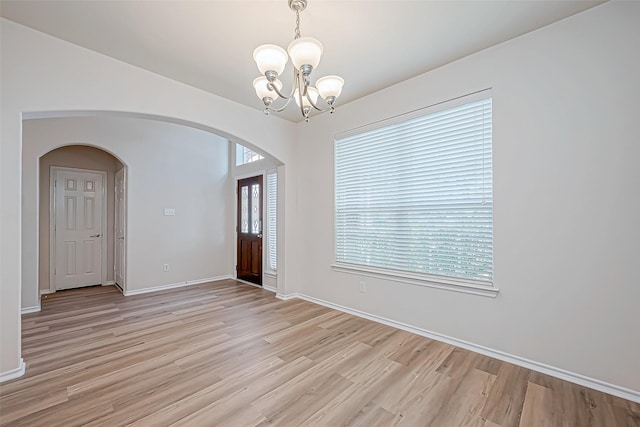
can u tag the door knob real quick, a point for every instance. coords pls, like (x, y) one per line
(95, 235)
(260, 236)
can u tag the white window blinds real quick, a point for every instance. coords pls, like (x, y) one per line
(272, 231)
(416, 195)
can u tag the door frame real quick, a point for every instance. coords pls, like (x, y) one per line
(123, 286)
(263, 174)
(52, 222)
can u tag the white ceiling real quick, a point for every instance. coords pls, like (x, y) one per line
(209, 44)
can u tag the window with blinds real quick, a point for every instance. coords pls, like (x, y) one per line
(272, 231)
(415, 194)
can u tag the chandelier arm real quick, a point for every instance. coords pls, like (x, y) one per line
(278, 110)
(275, 89)
(296, 79)
(300, 95)
(315, 106)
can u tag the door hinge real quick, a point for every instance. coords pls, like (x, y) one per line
(236, 268)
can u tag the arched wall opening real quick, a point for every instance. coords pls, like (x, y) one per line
(163, 158)
(154, 117)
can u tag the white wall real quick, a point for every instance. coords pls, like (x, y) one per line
(168, 166)
(566, 196)
(40, 73)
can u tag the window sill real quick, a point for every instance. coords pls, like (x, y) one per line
(438, 282)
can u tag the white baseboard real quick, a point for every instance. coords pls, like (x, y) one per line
(572, 377)
(174, 285)
(26, 310)
(269, 288)
(109, 283)
(14, 373)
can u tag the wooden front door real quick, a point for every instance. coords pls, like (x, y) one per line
(249, 261)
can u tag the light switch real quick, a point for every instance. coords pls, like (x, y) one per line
(169, 212)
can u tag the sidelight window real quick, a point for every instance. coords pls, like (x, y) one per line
(272, 231)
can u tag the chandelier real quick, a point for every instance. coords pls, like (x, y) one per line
(305, 53)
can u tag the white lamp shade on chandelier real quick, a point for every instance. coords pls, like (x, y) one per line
(330, 86)
(305, 54)
(270, 57)
(305, 51)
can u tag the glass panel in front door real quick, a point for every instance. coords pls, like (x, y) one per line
(255, 209)
(244, 227)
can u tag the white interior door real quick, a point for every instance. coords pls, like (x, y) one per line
(78, 228)
(120, 205)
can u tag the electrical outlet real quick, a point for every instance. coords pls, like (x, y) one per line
(165, 267)
(363, 287)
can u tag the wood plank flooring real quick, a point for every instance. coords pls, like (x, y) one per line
(229, 354)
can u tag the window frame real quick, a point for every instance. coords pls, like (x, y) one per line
(245, 150)
(408, 277)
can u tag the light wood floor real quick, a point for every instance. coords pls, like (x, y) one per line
(228, 354)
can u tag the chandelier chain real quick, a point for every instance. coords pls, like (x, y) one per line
(297, 24)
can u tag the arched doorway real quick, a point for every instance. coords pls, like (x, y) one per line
(80, 213)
